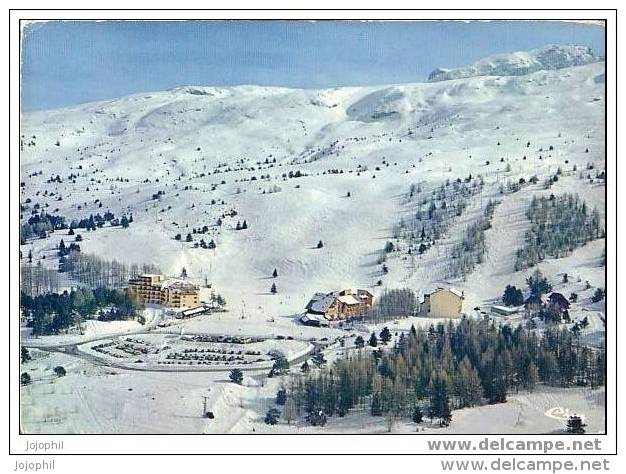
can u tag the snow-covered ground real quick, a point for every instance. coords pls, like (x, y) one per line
(102, 400)
(212, 150)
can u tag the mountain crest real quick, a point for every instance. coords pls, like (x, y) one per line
(520, 63)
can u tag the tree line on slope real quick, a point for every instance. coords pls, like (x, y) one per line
(40, 224)
(436, 210)
(431, 215)
(471, 250)
(53, 313)
(559, 224)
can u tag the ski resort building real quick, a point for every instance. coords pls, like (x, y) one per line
(193, 312)
(558, 303)
(336, 306)
(146, 288)
(154, 289)
(443, 303)
(499, 310)
(179, 294)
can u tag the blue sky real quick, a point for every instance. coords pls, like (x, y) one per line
(67, 63)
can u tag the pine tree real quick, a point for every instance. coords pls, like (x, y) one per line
(512, 296)
(281, 366)
(275, 273)
(373, 342)
(359, 342)
(575, 425)
(417, 415)
(385, 335)
(25, 355)
(538, 284)
(271, 417)
(281, 396)
(59, 371)
(236, 376)
(468, 387)
(528, 374)
(320, 244)
(598, 295)
(376, 406)
(439, 400)
(25, 378)
(273, 288)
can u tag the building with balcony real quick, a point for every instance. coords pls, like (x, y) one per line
(155, 289)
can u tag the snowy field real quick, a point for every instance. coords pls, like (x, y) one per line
(182, 159)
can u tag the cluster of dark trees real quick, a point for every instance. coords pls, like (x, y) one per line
(54, 312)
(280, 367)
(38, 225)
(559, 225)
(446, 367)
(202, 243)
(200, 230)
(65, 250)
(95, 272)
(471, 250)
(598, 295)
(512, 296)
(385, 337)
(294, 174)
(92, 222)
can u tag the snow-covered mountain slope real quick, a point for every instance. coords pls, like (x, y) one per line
(520, 63)
(204, 151)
